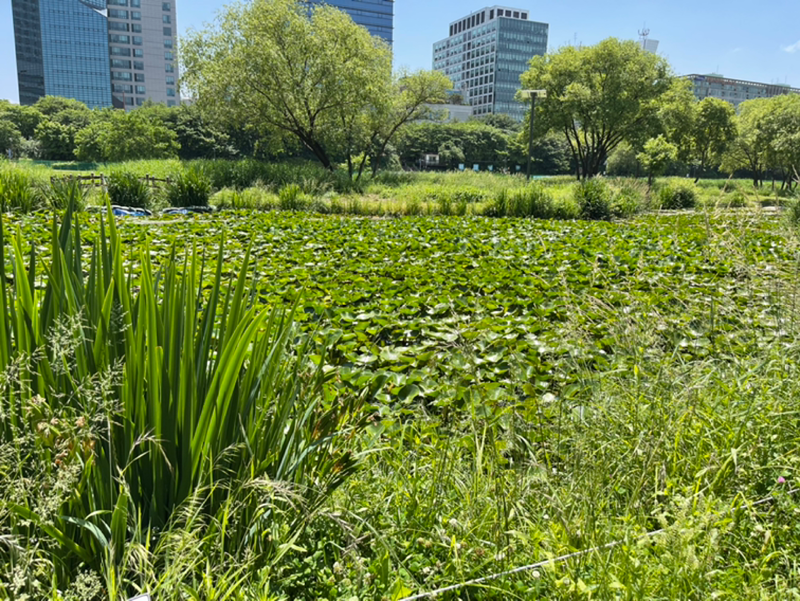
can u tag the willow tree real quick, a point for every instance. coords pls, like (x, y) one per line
(598, 96)
(284, 66)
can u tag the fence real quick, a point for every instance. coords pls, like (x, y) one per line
(99, 180)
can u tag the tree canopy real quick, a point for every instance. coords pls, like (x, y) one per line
(598, 96)
(307, 73)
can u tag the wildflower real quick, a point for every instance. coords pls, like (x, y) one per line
(536, 574)
(781, 480)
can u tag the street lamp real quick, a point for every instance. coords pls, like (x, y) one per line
(533, 95)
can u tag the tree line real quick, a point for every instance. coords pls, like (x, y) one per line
(319, 86)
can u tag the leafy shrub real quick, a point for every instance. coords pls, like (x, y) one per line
(593, 198)
(627, 200)
(678, 196)
(18, 192)
(66, 193)
(737, 200)
(127, 190)
(291, 198)
(190, 189)
(793, 213)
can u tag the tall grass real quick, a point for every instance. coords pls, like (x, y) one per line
(154, 418)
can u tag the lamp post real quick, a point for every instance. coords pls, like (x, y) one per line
(533, 94)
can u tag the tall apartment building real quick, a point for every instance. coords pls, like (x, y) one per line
(104, 53)
(376, 15)
(485, 55)
(735, 91)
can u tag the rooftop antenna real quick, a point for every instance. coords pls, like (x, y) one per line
(643, 34)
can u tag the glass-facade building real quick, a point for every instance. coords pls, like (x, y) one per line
(485, 55)
(376, 15)
(102, 52)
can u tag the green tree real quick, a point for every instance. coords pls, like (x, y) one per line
(711, 132)
(284, 66)
(450, 155)
(500, 121)
(50, 106)
(657, 155)
(598, 96)
(117, 136)
(751, 149)
(56, 140)
(10, 139)
(24, 118)
(404, 101)
(624, 161)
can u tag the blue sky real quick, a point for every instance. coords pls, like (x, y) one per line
(747, 40)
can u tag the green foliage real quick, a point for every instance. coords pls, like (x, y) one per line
(65, 193)
(532, 201)
(189, 189)
(596, 113)
(657, 155)
(24, 118)
(18, 191)
(116, 136)
(623, 161)
(56, 140)
(542, 388)
(291, 198)
(318, 72)
(10, 139)
(712, 131)
(128, 190)
(593, 198)
(678, 196)
(151, 414)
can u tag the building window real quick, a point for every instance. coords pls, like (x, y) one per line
(137, 40)
(170, 80)
(168, 56)
(138, 53)
(167, 31)
(136, 3)
(136, 15)
(166, 6)
(139, 101)
(171, 103)
(140, 89)
(118, 26)
(115, 13)
(136, 28)
(166, 19)
(118, 2)
(167, 43)
(170, 91)
(169, 68)
(138, 65)
(120, 64)
(138, 77)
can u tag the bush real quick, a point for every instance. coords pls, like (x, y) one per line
(593, 198)
(291, 198)
(627, 201)
(127, 190)
(189, 189)
(66, 193)
(679, 196)
(18, 192)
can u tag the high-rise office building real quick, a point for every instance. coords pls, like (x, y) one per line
(485, 55)
(102, 52)
(376, 15)
(735, 91)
